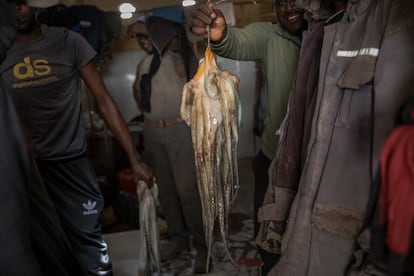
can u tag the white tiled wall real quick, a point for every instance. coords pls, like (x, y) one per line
(119, 74)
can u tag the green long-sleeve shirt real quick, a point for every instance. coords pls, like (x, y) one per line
(278, 50)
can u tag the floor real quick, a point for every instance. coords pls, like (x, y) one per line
(124, 246)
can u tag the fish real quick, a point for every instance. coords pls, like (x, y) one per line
(211, 107)
(149, 256)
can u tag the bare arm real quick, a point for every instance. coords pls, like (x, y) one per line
(115, 121)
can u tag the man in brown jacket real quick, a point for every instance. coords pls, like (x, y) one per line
(363, 81)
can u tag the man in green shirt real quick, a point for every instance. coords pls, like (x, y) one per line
(277, 46)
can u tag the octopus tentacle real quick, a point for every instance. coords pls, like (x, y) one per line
(149, 253)
(230, 100)
(211, 126)
(187, 102)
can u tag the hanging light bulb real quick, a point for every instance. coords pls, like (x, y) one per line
(126, 10)
(188, 3)
(126, 15)
(126, 7)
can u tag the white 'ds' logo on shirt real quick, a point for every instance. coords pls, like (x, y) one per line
(90, 208)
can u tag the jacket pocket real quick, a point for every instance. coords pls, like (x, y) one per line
(357, 100)
(358, 73)
(342, 222)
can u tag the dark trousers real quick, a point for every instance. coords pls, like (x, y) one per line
(74, 190)
(261, 166)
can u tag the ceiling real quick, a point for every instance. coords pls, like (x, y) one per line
(143, 5)
(112, 5)
(245, 12)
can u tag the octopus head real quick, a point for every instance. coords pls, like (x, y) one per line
(207, 65)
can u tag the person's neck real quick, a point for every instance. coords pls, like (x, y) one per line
(29, 36)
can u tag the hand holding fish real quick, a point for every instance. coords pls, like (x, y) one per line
(141, 171)
(204, 18)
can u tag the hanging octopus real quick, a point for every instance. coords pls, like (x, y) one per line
(211, 107)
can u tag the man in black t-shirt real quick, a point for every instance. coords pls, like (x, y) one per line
(30, 231)
(43, 71)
